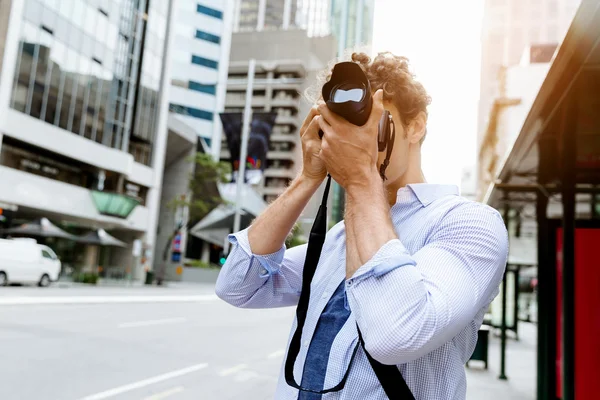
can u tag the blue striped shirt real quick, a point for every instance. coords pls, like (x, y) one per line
(419, 300)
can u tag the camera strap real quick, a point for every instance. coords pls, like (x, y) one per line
(388, 154)
(389, 376)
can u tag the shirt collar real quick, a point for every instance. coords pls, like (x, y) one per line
(425, 193)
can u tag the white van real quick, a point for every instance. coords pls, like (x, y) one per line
(26, 261)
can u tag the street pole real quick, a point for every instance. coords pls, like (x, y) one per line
(568, 194)
(244, 147)
(504, 284)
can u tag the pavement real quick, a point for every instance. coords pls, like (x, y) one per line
(520, 369)
(174, 343)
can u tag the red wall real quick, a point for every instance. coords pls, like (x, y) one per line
(587, 313)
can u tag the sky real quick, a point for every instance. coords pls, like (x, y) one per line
(442, 40)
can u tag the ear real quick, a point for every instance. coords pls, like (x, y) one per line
(416, 129)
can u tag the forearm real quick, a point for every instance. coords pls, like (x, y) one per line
(368, 223)
(269, 231)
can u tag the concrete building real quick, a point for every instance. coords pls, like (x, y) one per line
(509, 26)
(83, 115)
(199, 67)
(202, 32)
(284, 70)
(517, 87)
(348, 22)
(258, 15)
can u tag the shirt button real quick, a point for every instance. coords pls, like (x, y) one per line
(349, 283)
(263, 271)
(306, 343)
(325, 295)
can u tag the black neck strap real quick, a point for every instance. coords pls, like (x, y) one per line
(389, 148)
(313, 254)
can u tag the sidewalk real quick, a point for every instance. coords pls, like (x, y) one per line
(123, 283)
(520, 369)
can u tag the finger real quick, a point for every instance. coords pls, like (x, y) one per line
(330, 116)
(324, 125)
(377, 109)
(312, 129)
(311, 114)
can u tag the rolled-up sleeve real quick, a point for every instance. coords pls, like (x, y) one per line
(260, 281)
(408, 305)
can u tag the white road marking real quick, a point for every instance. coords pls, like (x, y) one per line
(22, 300)
(233, 370)
(165, 394)
(146, 382)
(152, 322)
(276, 354)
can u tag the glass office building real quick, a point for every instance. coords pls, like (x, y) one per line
(93, 68)
(199, 63)
(81, 111)
(352, 23)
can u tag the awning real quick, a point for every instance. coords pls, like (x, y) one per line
(252, 201)
(217, 224)
(101, 238)
(41, 228)
(577, 65)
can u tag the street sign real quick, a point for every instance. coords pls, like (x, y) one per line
(177, 243)
(136, 251)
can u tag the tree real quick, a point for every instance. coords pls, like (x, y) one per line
(203, 187)
(204, 194)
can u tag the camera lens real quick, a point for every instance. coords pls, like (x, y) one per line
(347, 92)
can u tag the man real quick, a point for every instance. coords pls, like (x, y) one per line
(414, 265)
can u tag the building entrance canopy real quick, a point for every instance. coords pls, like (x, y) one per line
(215, 226)
(41, 227)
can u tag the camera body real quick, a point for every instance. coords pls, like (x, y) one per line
(348, 94)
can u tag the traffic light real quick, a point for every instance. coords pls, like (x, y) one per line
(222, 258)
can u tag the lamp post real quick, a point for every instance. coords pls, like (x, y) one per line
(244, 147)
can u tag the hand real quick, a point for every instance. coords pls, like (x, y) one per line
(349, 151)
(313, 168)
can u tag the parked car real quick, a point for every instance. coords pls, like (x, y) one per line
(26, 261)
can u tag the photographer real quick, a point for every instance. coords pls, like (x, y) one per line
(413, 266)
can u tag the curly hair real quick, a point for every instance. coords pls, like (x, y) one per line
(392, 74)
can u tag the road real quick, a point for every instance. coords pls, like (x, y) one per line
(176, 343)
(136, 343)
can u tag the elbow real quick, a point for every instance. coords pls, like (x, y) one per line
(401, 343)
(226, 294)
(389, 352)
(225, 290)
(222, 291)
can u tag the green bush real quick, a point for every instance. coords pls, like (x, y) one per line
(86, 277)
(201, 264)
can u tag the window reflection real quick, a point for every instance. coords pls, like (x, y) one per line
(79, 63)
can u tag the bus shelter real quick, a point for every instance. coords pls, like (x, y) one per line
(552, 174)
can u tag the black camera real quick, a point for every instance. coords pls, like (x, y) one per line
(348, 94)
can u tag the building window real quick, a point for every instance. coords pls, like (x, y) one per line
(211, 12)
(208, 37)
(210, 89)
(204, 62)
(191, 111)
